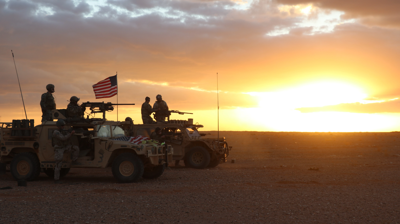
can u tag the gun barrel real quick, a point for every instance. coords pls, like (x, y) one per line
(102, 103)
(124, 104)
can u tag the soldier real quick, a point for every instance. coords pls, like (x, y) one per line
(73, 109)
(61, 145)
(147, 111)
(157, 135)
(47, 103)
(128, 129)
(161, 109)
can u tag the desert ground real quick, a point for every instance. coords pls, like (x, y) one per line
(277, 177)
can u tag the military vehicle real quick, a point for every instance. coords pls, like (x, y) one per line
(195, 149)
(28, 149)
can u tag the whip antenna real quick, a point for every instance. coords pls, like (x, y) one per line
(218, 105)
(116, 73)
(23, 103)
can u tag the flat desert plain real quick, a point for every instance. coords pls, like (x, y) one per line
(276, 178)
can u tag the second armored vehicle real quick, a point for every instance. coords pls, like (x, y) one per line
(195, 149)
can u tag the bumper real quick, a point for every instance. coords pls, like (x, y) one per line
(160, 155)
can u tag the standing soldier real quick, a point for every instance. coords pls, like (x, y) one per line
(147, 111)
(73, 109)
(47, 103)
(161, 109)
(61, 145)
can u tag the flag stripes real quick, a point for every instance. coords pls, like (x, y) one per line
(135, 140)
(138, 139)
(106, 88)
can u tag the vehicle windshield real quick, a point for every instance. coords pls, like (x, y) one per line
(193, 132)
(109, 132)
(117, 131)
(103, 131)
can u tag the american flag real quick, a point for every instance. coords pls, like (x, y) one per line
(135, 140)
(106, 88)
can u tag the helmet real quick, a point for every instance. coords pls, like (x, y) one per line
(60, 122)
(147, 98)
(157, 129)
(128, 119)
(158, 96)
(74, 99)
(49, 87)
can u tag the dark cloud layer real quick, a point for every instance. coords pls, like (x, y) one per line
(184, 44)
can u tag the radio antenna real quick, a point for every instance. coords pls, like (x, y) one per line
(23, 103)
(116, 73)
(218, 106)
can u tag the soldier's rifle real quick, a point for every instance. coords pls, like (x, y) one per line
(101, 107)
(179, 112)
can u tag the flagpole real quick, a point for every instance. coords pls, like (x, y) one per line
(117, 94)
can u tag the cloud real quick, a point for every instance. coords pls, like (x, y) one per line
(391, 106)
(378, 13)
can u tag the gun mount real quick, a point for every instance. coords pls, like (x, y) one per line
(177, 112)
(101, 107)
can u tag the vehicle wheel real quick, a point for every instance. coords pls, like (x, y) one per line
(197, 157)
(50, 172)
(127, 168)
(153, 172)
(214, 162)
(25, 166)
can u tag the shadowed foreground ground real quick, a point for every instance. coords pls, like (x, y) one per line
(277, 178)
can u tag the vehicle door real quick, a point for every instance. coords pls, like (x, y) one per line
(46, 144)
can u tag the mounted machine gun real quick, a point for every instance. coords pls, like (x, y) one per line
(101, 107)
(177, 112)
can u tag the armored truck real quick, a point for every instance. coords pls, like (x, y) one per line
(195, 149)
(28, 149)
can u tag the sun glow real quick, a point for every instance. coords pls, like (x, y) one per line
(310, 95)
(277, 110)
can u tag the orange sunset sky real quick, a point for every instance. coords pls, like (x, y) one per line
(283, 65)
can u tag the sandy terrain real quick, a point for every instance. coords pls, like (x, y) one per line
(277, 178)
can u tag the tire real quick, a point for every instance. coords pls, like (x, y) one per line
(153, 172)
(214, 162)
(127, 168)
(197, 157)
(25, 166)
(50, 172)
